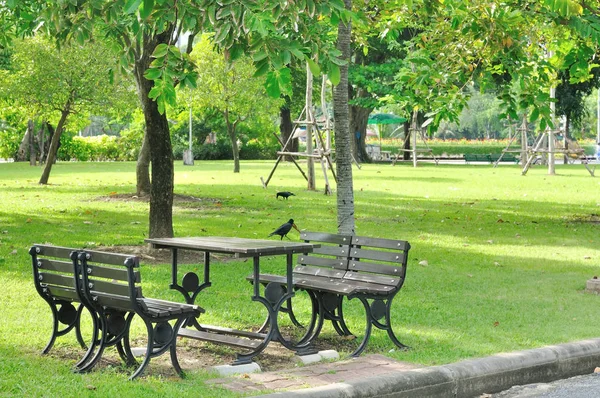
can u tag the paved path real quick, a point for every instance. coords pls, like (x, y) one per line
(314, 375)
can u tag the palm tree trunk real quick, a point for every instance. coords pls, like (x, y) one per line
(341, 111)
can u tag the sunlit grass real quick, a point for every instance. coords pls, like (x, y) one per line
(498, 261)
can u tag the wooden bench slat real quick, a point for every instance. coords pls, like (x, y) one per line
(233, 332)
(322, 237)
(112, 301)
(322, 284)
(54, 251)
(380, 243)
(377, 268)
(219, 338)
(56, 265)
(109, 258)
(104, 286)
(323, 262)
(333, 251)
(392, 257)
(303, 270)
(63, 293)
(57, 279)
(372, 278)
(119, 274)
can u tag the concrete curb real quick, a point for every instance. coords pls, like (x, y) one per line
(469, 378)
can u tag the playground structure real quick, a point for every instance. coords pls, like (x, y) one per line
(322, 150)
(415, 132)
(545, 146)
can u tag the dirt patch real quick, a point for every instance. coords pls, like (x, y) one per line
(587, 219)
(178, 200)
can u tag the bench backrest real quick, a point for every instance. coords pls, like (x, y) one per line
(331, 259)
(376, 261)
(54, 271)
(111, 279)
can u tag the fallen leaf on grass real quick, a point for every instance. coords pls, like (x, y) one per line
(424, 263)
(496, 323)
(490, 241)
(587, 258)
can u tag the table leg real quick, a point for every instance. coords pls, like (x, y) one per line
(190, 285)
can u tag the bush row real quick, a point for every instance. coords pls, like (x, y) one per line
(126, 147)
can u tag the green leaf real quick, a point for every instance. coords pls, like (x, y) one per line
(272, 85)
(260, 55)
(160, 50)
(284, 77)
(132, 5)
(314, 67)
(152, 73)
(235, 52)
(334, 74)
(534, 115)
(262, 67)
(146, 9)
(223, 32)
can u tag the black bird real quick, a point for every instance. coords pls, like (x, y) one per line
(284, 194)
(284, 229)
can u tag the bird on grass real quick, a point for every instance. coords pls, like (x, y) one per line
(284, 194)
(284, 229)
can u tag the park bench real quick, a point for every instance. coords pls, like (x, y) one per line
(108, 285)
(371, 270)
(111, 284)
(476, 157)
(505, 157)
(54, 280)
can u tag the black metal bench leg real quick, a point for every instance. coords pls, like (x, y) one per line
(368, 328)
(100, 344)
(340, 324)
(92, 345)
(149, 347)
(388, 328)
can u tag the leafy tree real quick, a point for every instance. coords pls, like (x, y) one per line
(231, 89)
(271, 31)
(56, 84)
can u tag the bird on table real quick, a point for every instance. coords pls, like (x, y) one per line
(284, 229)
(284, 194)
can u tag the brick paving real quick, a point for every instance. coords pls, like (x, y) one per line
(313, 375)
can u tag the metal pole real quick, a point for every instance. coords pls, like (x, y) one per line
(551, 165)
(598, 119)
(190, 137)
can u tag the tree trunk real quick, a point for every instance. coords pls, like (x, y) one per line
(407, 138)
(286, 127)
(159, 140)
(52, 151)
(143, 186)
(32, 151)
(231, 127)
(358, 127)
(341, 111)
(23, 147)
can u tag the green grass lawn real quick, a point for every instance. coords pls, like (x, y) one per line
(498, 261)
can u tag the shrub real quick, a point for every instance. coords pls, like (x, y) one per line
(9, 142)
(254, 150)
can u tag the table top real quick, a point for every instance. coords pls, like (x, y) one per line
(241, 247)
